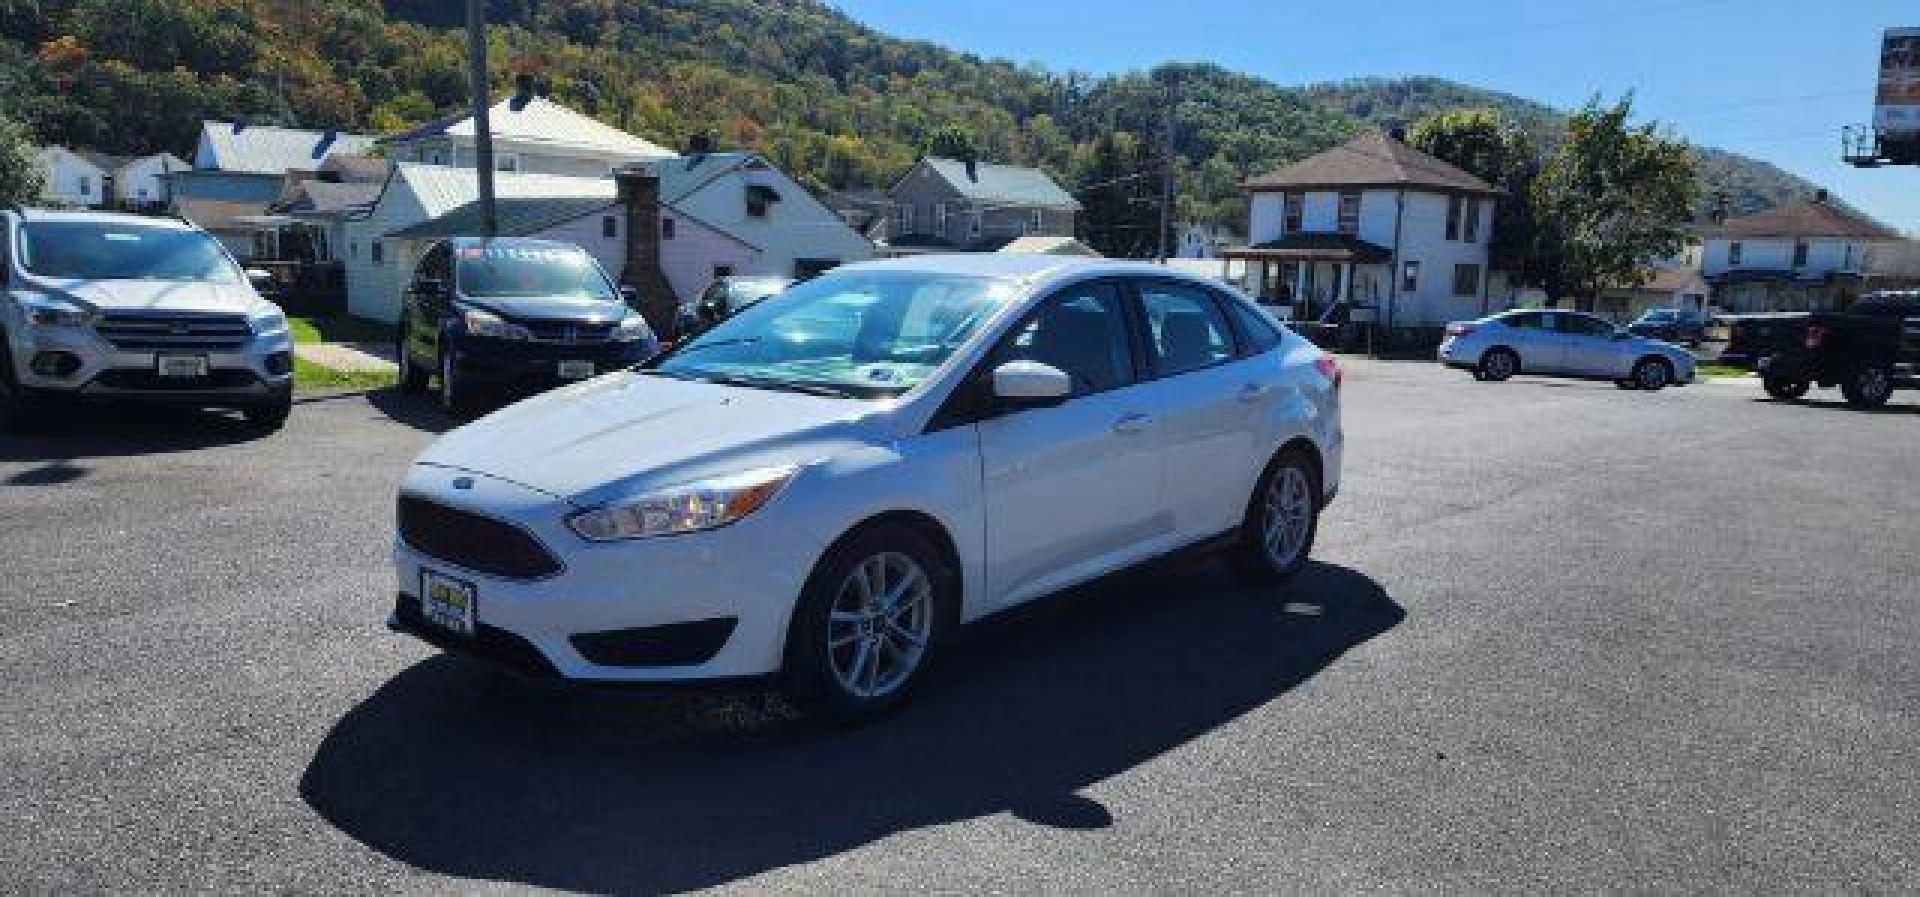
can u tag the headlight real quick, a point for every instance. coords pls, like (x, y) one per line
(687, 508)
(267, 321)
(491, 326)
(48, 312)
(632, 327)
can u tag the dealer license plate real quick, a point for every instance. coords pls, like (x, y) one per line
(181, 365)
(447, 602)
(576, 370)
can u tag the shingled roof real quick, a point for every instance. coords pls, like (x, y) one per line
(1372, 159)
(1805, 218)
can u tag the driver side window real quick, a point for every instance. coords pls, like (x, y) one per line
(1082, 331)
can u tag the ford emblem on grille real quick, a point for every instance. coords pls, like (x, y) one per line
(463, 483)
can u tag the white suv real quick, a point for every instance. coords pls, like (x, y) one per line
(824, 486)
(97, 305)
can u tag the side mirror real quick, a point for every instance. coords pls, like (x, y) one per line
(1030, 384)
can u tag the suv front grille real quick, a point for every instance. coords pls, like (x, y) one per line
(168, 332)
(472, 541)
(571, 331)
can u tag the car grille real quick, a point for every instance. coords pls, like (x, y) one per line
(149, 380)
(571, 331)
(472, 541)
(166, 332)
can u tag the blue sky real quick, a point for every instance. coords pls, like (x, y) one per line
(1775, 79)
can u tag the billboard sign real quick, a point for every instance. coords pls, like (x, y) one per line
(1896, 108)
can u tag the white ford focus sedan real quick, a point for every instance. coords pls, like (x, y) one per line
(821, 489)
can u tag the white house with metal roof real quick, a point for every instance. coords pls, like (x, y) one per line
(531, 135)
(956, 205)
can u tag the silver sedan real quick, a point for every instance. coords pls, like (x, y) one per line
(1563, 343)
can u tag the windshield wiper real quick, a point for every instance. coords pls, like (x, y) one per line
(800, 386)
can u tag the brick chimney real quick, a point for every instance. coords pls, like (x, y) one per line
(639, 193)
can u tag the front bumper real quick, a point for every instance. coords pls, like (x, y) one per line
(701, 606)
(522, 363)
(256, 370)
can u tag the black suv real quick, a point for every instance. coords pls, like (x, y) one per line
(511, 312)
(1868, 351)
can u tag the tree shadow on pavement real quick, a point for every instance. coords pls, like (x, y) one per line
(452, 768)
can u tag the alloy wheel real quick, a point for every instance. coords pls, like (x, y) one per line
(1875, 385)
(1500, 366)
(880, 624)
(1286, 516)
(1652, 375)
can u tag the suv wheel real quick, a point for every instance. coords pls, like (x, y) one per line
(1276, 535)
(1784, 389)
(412, 378)
(16, 407)
(1870, 386)
(1652, 374)
(271, 414)
(869, 624)
(1498, 365)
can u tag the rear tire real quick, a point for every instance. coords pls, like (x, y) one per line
(1869, 386)
(1498, 365)
(1784, 389)
(853, 655)
(412, 378)
(1275, 539)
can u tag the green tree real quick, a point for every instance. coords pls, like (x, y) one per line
(951, 142)
(20, 174)
(1612, 199)
(1484, 143)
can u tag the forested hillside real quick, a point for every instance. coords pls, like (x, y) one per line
(833, 101)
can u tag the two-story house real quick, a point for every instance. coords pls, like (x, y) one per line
(531, 135)
(1804, 256)
(955, 205)
(1371, 221)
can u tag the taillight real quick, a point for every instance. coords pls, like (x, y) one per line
(1330, 369)
(1816, 335)
(1458, 329)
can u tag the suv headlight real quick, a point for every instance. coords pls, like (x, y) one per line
(48, 312)
(491, 326)
(632, 327)
(267, 321)
(691, 507)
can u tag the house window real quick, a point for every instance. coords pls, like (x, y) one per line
(1295, 212)
(1848, 265)
(1453, 217)
(1800, 254)
(666, 228)
(906, 219)
(353, 251)
(378, 253)
(1470, 228)
(609, 227)
(1466, 280)
(86, 185)
(939, 217)
(760, 199)
(1734, 253)
(1038, 224)
(720, 271)
(506, 163)
(973, 226)
(1410, 277)
(1349, 213)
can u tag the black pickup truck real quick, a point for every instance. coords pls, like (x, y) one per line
(1868, 351)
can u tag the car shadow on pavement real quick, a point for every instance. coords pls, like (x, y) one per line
(60, 433)
(412, 409)
(455, 769)
(1894, 407)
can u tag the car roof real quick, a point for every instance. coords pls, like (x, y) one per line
(1024, 267)
(122, 218)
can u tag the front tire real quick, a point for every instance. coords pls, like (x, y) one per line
(1784, 389)
(412, 378)
(1498, 365)
(869, 624)
(1869, 386)
(1652, 374)
(1276, 535)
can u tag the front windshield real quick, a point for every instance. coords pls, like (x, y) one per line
(114, 250)
(863, 334)
(530, 270)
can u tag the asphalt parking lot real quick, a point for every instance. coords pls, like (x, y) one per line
(1560, 637)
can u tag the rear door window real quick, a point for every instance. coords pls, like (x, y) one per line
(1258, 333)
(1186, 330)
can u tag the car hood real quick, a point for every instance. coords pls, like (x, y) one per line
(623, 433)
(561, 308)
(154, 295)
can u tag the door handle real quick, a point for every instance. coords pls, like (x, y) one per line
(1253, 392)
(1133, 424)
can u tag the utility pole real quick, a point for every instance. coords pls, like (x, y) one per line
(482, 126)
(1166, 177)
